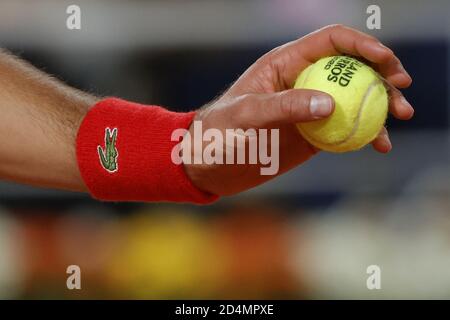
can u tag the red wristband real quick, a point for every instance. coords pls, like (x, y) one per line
(124, 154)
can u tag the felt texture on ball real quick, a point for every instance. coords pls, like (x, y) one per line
(361, 103)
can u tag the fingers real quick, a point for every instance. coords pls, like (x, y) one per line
(349, 41)
(398, 105)
(289, 106)
(394, 72)
(382, 143)
(334, 40)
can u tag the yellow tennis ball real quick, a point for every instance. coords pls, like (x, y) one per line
(361, 103)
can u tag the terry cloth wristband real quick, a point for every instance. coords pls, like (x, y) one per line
(124, 154)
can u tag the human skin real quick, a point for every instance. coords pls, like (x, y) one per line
(262, 98)
(41, 116)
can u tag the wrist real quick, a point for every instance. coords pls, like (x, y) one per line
(124, 153)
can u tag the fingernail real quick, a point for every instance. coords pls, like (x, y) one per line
(403, 70)
(384, 48)
(320, 106)
(406, 103)
(387, 143)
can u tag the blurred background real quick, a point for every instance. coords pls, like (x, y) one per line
(311, 233)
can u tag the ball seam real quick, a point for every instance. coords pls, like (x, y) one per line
(356, 124)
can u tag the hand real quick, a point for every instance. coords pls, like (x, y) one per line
(262, 98)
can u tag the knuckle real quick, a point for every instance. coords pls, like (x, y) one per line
(333, 27)
(274, 51)
(268, 58)
(244, 106)
(273, 55)
(286, 104)
(245, 100)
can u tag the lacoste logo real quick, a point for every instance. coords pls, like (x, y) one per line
(108, 156)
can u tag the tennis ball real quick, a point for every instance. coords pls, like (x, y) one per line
(361, 103)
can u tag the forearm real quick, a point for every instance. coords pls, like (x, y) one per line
(50, 139)
(39, 120)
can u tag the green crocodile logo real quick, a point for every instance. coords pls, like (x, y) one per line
(108, 156)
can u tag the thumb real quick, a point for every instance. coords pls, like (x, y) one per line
(289, 106)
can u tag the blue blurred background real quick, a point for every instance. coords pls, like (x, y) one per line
(311, 233)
